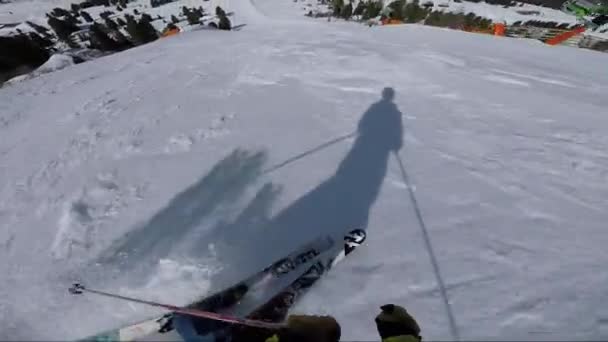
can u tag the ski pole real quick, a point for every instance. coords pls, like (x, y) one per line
(80, 289)
(429, 248)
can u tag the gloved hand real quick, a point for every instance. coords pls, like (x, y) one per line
(304, 328)
(395, 321)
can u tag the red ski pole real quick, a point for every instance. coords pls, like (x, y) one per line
(80, 289)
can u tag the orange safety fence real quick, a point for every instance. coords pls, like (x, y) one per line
(500, 29)
(170, 32)
(387, 21)
(560, 38)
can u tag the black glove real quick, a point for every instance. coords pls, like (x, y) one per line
(304, 328)
(394, 320)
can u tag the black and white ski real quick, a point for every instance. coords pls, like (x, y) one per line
(225, 298)
(277, 308)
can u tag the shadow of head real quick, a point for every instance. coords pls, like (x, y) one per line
(388, 94)
(381, 127)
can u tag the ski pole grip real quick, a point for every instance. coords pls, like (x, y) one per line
(76, 288)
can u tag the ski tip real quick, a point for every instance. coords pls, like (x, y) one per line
(76, 288)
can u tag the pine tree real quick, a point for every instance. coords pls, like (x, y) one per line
(59, 12)
(174, 19)
(224, 23)
(413, 13)
(194, 16)
(131, 27)
(147, 32)
(111, 24)
(63, 28)
(434, 19)
(372, 9)
(41, 30)
(219, 11)
(100, 40)
(337, 7)
(397, 9)
(359, 9)
(347, 11)
(121, 22)
(75, 8)
(469, 21)
(105, 14)
(86, 16)
(41, 41)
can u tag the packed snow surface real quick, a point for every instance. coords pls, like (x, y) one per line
(171, 170)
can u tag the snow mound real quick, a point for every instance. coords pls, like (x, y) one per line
(56, 62)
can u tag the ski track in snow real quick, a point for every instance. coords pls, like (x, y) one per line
(141, 172)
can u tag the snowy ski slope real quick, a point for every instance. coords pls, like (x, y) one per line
(173, 169)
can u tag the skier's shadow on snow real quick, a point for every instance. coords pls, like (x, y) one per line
(342, 202)
(252, 240)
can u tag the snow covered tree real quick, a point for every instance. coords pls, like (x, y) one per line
(174, 19)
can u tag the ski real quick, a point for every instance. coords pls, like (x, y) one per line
(277, 308)
(206, 307)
